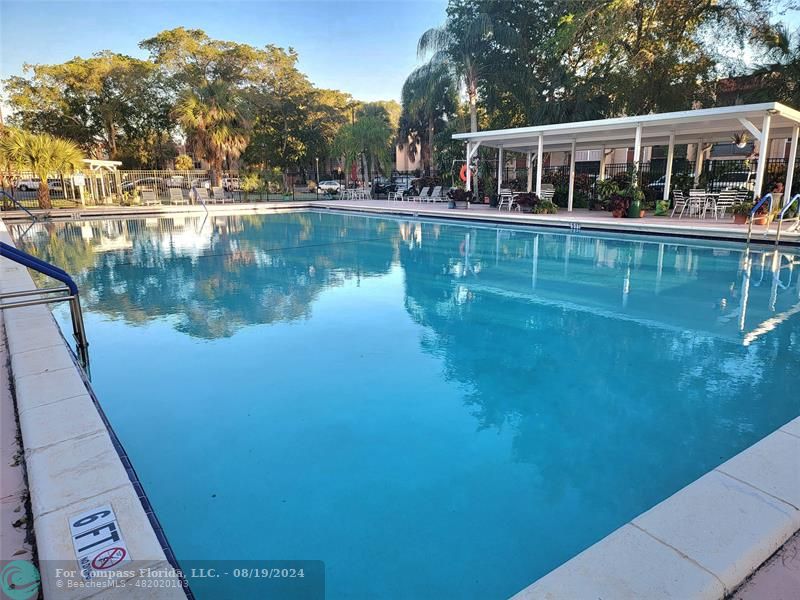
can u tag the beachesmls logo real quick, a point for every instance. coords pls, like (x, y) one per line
(20, 580)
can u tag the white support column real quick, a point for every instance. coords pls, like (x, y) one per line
(539, 161)
(668, 174)
(602, 174)
(763, 157)
(499, 169)
(530, 171)
(637, 147)
(698, 162)
(469, 171)
(571, 177)
(787, 191)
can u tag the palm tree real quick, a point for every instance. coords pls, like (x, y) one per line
(458, 47)
(428, 98)
(369, 137)
(213, 124)
(779, 75)
(43, 155)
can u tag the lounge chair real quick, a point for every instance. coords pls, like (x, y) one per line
(436, 195)
(176, 196)
(201, 195)
(422, 196)
(149, 198)
(219, 194)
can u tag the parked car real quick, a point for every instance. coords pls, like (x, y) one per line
(657, 185)
(200, 182)
(402, 183)
(332, 187)
(32, 183)
(175, 181)
(734, 180)
(231, 184)
(143, 182)
(383, 185)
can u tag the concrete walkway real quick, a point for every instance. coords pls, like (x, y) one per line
(778, 578)
(14, 542)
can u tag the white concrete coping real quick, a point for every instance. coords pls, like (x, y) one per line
(700, 543)
(71, 462)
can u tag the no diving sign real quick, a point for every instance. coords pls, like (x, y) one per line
(98, 541)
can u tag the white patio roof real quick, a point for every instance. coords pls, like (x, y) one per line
(689, 126)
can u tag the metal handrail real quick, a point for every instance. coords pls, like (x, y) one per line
(753, 211)
(19, 205)
(70, 288)
(781, 214)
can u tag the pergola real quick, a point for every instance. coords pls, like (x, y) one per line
(764, 122)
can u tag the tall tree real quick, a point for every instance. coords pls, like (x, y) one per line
(210, 78)
(458, 46)
(428, 99)
(103, 103)
(43, 155)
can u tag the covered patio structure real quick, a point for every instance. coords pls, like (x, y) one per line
(762, 122)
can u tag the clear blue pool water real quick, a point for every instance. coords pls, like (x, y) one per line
(434, 410)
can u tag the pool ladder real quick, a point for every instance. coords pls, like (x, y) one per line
(780, 217)
(67, 293)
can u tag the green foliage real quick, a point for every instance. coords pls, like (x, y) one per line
(184, 162)
(662, 208)
(43, 155)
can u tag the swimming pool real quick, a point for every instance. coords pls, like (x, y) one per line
(431, 409)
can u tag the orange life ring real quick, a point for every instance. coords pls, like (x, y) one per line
(463, 174)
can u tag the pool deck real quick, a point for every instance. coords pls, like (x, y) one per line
(705, 541)
(724, 229)
(72, 464)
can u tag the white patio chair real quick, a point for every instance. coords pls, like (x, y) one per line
(679, 203)
(201, 195)
(395, 196)
(548, 193)
(436, 194)
(176, 196)
(697, 202)
(422, 196)
(505, 198)
(219, 194)
(149, 198)
(726, 199)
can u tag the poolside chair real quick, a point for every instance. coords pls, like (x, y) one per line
(436, 195)
(422, 196)
(176, 196)
(219, 194)
(548, 192)
(149, 198)
(697, 202)
(726, 199)
(506, 197)
(679, 203)
(201, 195)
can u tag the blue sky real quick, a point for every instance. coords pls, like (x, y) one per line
(365, 48)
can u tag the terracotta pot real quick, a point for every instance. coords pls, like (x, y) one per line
(760, 220)
(641, 214)
(740, 219)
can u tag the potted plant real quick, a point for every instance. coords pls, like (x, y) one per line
(662, 208)
(545, 207)
(618, 205)
(457, 195)
(635, 199)
(740, 211)
(605, 188)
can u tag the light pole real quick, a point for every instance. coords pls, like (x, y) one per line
(317, 162)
